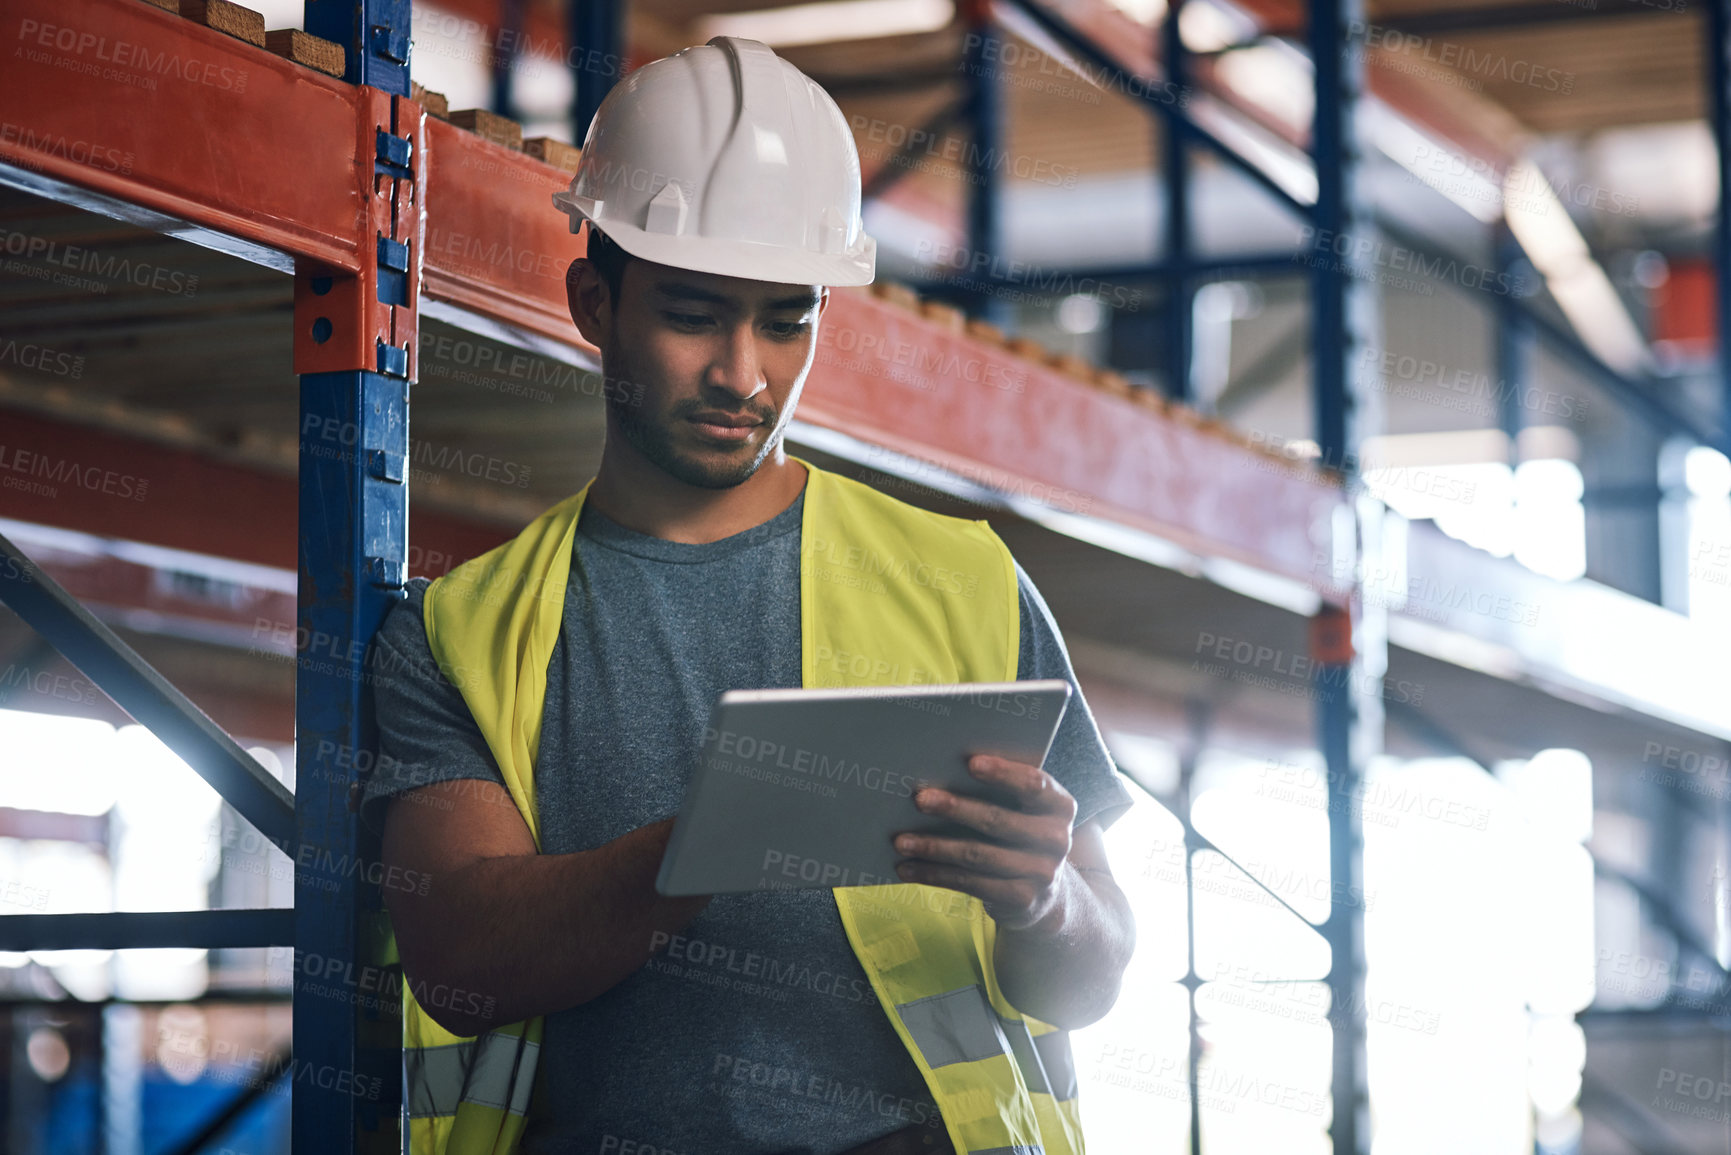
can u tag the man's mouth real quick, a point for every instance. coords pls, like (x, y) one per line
(725, 426)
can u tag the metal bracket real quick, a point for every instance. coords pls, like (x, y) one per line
(385, 465)
(393, 274)
(386, 572)
(394, 153)
(390, 43)
(393, 361)
(393, 255)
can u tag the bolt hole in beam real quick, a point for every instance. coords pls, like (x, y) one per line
(322, 330)
(321, 285)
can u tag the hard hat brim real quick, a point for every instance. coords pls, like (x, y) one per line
(753, 262)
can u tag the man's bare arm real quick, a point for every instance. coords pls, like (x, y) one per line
(1066, 968)
(533, 933)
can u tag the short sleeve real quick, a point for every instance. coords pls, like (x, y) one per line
(426, 733)
(1078, 758)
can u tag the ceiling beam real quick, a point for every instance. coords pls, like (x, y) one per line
(1509, 16)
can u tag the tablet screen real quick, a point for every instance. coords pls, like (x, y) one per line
(807, 788)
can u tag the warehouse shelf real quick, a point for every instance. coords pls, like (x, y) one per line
(373, 206)
(289, 173)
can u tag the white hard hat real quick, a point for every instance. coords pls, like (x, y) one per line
(726, 159)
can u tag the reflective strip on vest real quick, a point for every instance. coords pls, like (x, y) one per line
(957, 1026)
(961, 1026)
(1059, 1063)
(437, 1076)
(1027, 1057)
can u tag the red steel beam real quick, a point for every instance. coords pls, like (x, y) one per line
(245, 714)
(77, 477)
(48, 825)
(895, 378)
(105, 582)
(494, 242)
(128, 100)
(55, 686)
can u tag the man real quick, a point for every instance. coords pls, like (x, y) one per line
(541, 707)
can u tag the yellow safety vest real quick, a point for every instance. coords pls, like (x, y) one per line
(889, 595)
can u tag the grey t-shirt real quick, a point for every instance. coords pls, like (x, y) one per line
(755, 1030)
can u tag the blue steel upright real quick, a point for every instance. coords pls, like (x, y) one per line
(346, 1081)
(1351, 647)
(985, 102)
(353, 546)
(1516, 346)
(503, 61)
(596, 56)
(1719, 106)
(1175, 177)
(374, 35)
(1341, 227)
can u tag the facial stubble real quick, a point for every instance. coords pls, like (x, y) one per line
(651, 433)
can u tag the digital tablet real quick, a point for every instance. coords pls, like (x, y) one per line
(806, 788)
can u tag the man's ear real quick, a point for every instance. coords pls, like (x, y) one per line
(590, 301)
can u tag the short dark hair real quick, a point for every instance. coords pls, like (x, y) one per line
(608, 258)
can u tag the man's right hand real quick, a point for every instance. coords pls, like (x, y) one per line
(491, 923)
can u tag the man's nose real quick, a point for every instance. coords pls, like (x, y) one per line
(737, 368)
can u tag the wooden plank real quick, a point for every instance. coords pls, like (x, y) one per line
(896, 293)
(293, 44)
(1114, 383)
(232, 19)
(554, 152)
(490, 126)
(947, 317)
(434, 102)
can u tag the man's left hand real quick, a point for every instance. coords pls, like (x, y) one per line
(1014, 865)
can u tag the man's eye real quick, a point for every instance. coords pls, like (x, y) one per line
(787, 330)
(688, 320)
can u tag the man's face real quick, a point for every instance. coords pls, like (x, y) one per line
(703, 370)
